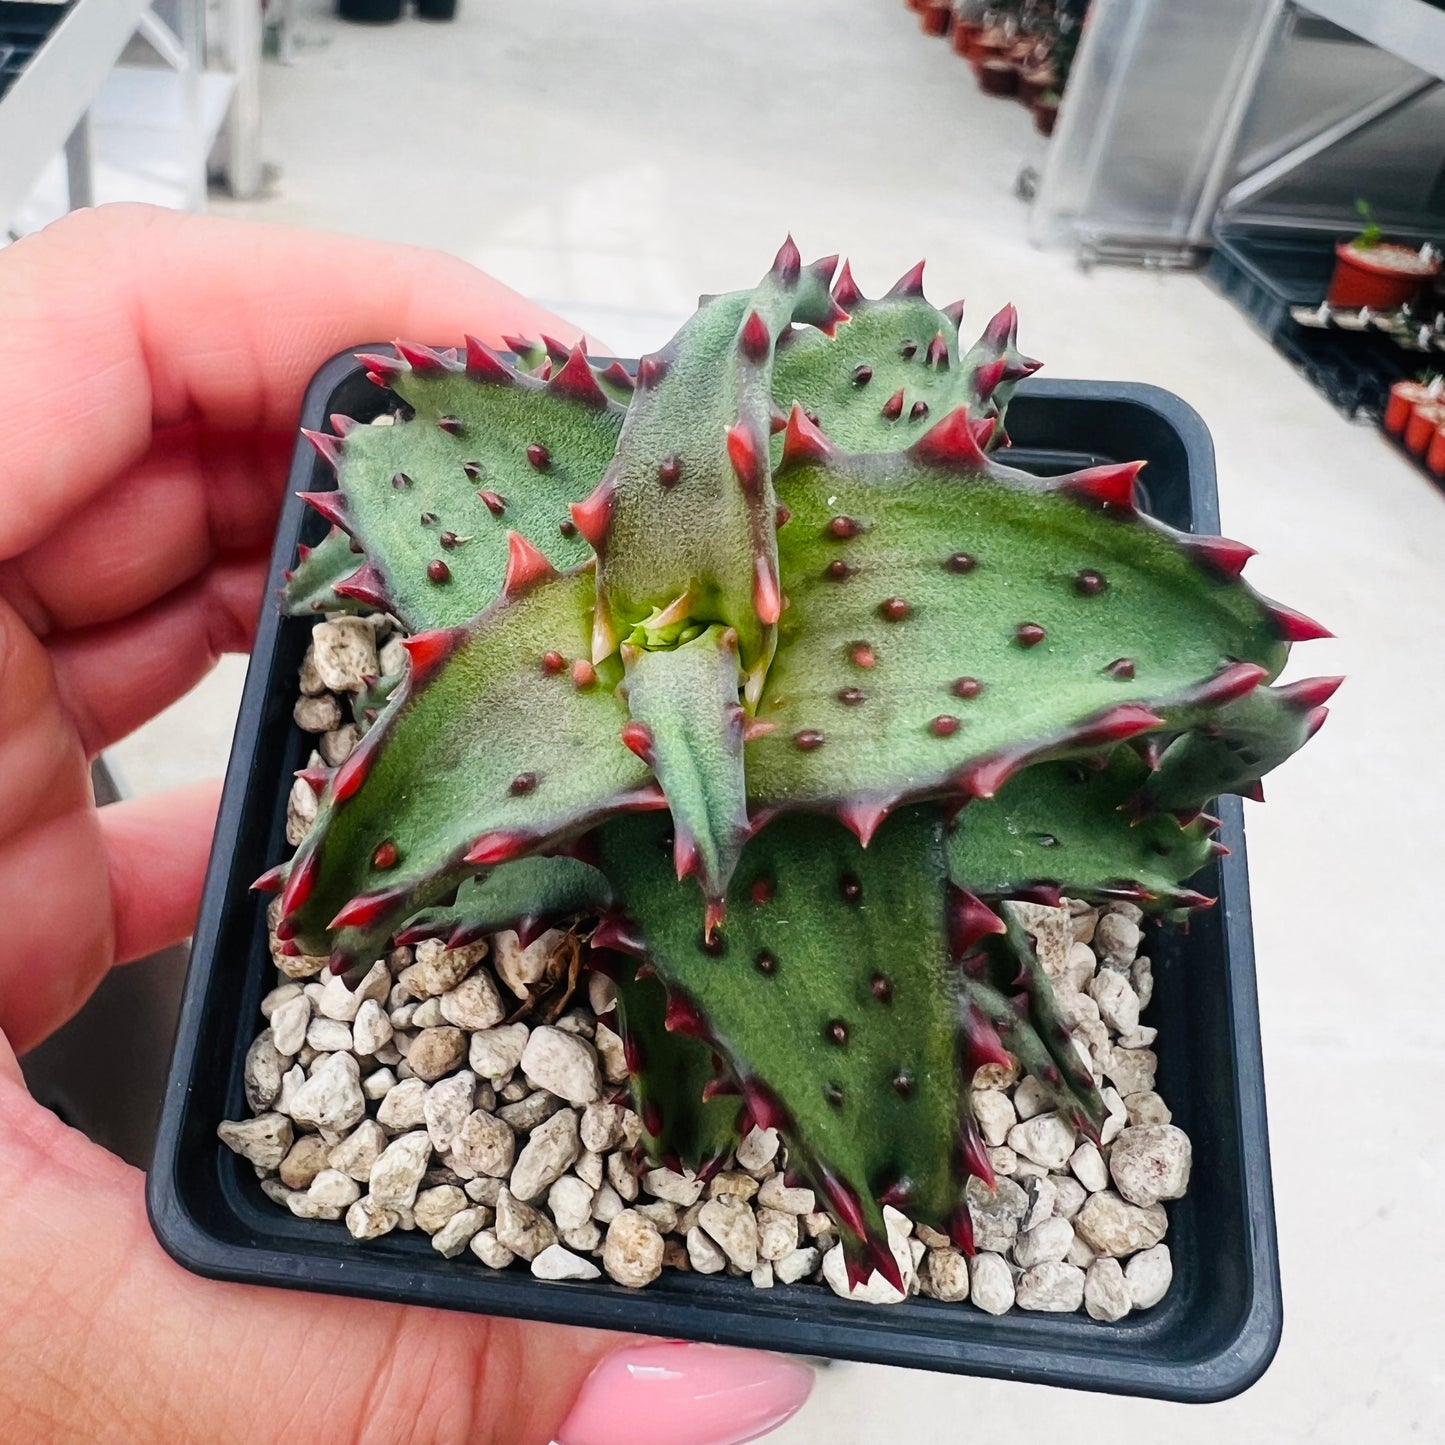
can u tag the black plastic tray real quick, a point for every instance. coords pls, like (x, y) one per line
(1212, 1336)
(24, 28)
(1266, 275)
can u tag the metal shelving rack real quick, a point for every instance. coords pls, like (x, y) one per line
(161, 118)
(1181, 117)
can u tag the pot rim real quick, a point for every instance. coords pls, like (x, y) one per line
(1349, 254)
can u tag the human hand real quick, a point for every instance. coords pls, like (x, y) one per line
(152, 370)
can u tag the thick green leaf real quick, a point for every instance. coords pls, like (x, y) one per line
(1062, 824)
(1005, 979)
(851, 381)
(670, 1071)
(1238, 746)
(687, 510)
(829, 990)
(687, 700)
(309, 585)
(412, 490)
(530, 892)
(492, 742)
(948, 623)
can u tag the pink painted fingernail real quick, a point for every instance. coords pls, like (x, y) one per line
(678, 1394)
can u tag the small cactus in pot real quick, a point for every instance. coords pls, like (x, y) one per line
(762, 671)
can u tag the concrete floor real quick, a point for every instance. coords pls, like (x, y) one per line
(614, 160)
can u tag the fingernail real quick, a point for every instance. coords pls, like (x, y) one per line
(678, 1394)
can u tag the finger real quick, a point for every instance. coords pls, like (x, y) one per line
(156, 850)
(63, 936)
(114, 677)
(42, 768)
(169, 318)
(58, 935)
(192, 498)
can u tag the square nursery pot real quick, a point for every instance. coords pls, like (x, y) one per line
(1211, 1337)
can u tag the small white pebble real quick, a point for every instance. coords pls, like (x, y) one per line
(792, 1267)
(554, 1262)
(366, 1219)
(454, 1236)
(1148, 1275)
(334, 1188)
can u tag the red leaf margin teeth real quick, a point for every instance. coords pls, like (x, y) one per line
(803, 441)
(576, 381)
(526, 566)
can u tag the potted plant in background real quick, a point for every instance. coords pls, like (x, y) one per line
(936, 17)
(967, 25)
(1375, 273)
(617, 651)
(1406, 396)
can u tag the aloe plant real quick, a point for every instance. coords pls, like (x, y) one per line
(762, 670)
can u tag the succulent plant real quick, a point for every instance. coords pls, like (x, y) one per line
(761, 670)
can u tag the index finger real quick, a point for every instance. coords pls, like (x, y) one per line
(126, 319)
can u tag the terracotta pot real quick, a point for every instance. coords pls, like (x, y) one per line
(974, 45)
(1045, 112)
(964, 33)
(1435, 456)
(917, 4)
(1383, 277)
(1424, 422)
(984, 45)
(936, 19)
(1405, 396)
(997, 76)
(1034, 81)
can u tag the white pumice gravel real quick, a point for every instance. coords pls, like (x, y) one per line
(554, 1262)
(422, 1095)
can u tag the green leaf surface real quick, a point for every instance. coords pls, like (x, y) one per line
(1240, 744)
(412, 490)
(687, 699)
(672, 1070)
(530, 891)
(1063, 823)
(849, 381)
(830, 989)
(681, 520)
(309, 586)
(905, 654)
(490, 742)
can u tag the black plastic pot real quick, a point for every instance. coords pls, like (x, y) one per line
(369, 12)
(1215, 1331)
(436, 9)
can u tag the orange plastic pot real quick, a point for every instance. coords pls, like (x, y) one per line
(1424, 422)
(1384, 277)
(936, 19)
(984, 46)
(1435, 456)
(1405, 396)
(963, 35)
